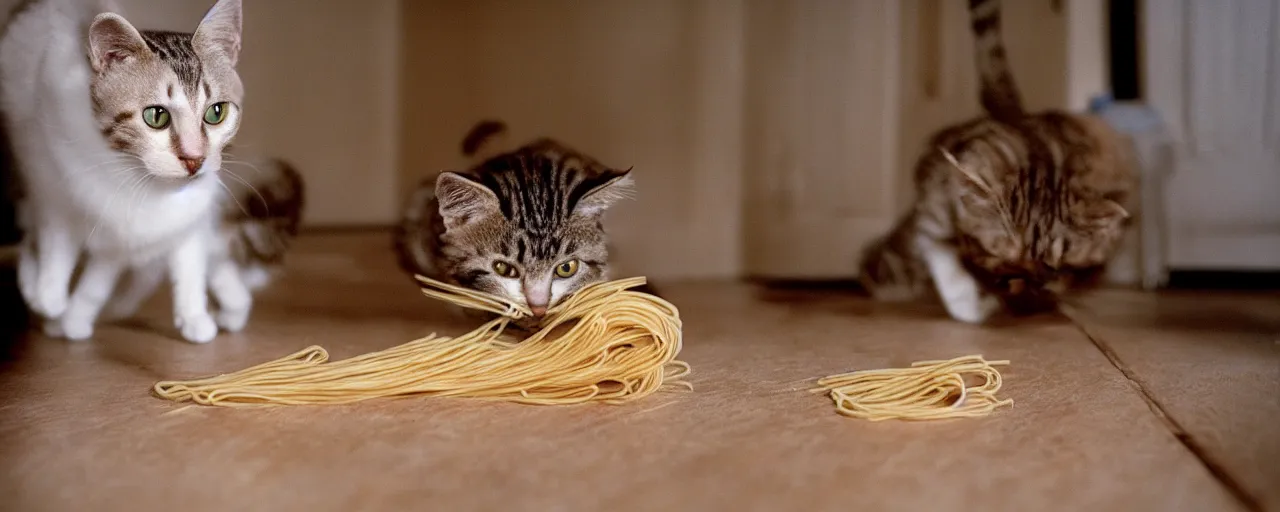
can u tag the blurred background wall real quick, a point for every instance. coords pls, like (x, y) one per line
(770, 138)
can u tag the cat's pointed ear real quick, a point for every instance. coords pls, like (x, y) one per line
(604, 190)
(1115, 209)
(113, 40)
(970, 175)
(219, 31)
(463, 200)
(1106, 211)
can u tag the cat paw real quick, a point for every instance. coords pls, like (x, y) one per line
(49, 303)
(197, 329)
(232, 320)
(255, 278)
(76, 329)
(975, 310)
(30, 293)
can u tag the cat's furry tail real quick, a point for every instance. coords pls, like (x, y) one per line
(263, 210)
(891, 270)
(999, 92)
(480, 143)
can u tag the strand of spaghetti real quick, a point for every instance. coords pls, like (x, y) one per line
(604, 343)
(924, 391)
(471, 298)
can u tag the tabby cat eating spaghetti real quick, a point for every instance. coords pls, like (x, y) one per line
(523, 224)
(1011, 209)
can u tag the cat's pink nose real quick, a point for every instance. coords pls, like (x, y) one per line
(538, 309)
(191, 164)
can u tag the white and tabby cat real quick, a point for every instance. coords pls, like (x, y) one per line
(1012, 209)
(119, 150)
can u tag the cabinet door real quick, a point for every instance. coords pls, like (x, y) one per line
(1213, 73)
(821, 134)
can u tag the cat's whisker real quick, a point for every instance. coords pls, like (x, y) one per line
(250, 165)
(141, 187)
(265, 204)
(64, 178)
(110, 203)
(232, 195)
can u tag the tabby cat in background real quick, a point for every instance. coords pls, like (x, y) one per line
(119, 135)
(1012, 209)
(524, 223)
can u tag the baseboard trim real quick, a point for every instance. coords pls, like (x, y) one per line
(807, 284)
(1223, 280)
(346, 229)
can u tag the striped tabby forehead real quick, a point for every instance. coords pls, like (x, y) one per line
(175, 50)
(583, 242)
(538, 189)
(536, 254)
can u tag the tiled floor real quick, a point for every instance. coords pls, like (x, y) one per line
(79, 431)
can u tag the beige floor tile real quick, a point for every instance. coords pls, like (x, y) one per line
(79, 430)
(1212, 362)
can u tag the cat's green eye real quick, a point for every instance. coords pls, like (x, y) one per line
(156, 117)
(216, 113)
(505, 269)
(567, 269)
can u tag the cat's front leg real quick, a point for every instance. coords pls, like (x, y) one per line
(54, 261)
(188, 270)
(29, 284)
(92, 291)
(28, 271)
(964, 298)
(233, 296)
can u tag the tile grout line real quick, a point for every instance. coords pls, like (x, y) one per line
(1216, 469)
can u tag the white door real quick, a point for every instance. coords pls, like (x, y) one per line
(821, 134)
(1213, 73)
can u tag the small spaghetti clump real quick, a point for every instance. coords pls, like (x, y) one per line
(928, 390)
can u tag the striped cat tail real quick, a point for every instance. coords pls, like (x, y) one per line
(263, 209)
(479, 142)
(890, 270)
(999, 93)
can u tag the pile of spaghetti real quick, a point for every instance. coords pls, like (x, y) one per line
(928, 390)
(604, 343)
